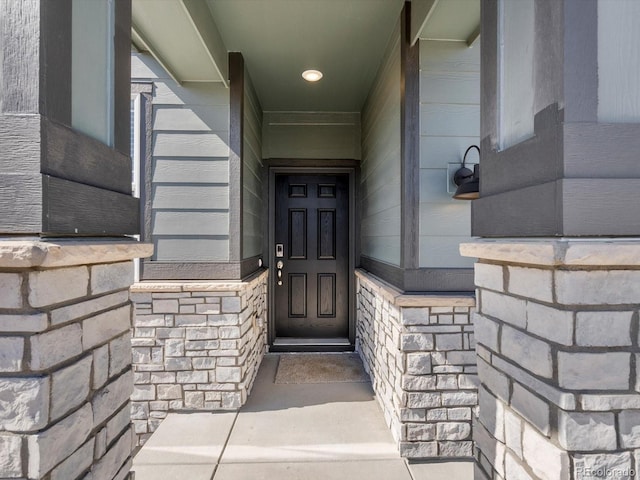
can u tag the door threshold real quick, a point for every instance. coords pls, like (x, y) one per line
(300, 344)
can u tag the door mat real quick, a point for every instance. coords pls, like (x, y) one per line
(320, 368)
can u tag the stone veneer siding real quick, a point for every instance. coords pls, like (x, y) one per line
(196, 346)
(65, 358)
(558, 347)
(419, 353)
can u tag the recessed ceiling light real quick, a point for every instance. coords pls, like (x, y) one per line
(312, 75)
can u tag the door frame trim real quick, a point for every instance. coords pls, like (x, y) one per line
(293, 169)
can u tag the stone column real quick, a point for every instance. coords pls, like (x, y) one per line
(65, 358)
(558, 348)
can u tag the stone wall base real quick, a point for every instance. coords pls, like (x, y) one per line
(197, 346)
(558, 350)
(65, 358)
(419, 353)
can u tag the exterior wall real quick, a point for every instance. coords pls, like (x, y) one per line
(252, 174)
(449, 123)
(380, 182)
(314, 135)
(196, 346)
(577, 174)
(65, 358)
(189, 197)
(419, 353)
(557, 350)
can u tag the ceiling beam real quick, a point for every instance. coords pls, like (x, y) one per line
(421, 11)
(141, 42)
(204, 25)
(473, 38)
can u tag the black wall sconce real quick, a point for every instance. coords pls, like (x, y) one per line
(468, 181)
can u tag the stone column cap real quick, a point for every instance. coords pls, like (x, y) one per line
(578, 252)
(28, 252)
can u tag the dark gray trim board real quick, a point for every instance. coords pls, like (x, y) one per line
(71, 208)
(409, 142)
(236, 153)
(235, 271)
(55, 60)
(122, 76)
(389, 273)
(74, 156)
(534, 161)
(421, 280)
(581, 65)
(146, 165)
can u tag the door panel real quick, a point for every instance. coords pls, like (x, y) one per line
(312, 223)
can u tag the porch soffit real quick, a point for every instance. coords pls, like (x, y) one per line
(345, 39)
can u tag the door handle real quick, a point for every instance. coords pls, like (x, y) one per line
(279, 267)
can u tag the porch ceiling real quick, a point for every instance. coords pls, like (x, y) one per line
(279, 39)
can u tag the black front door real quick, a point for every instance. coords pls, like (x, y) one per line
(311, 256)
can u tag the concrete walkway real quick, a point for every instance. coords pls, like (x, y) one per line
(329, 431)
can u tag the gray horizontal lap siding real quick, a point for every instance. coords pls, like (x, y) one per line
(380, 184)
(189, 197)
(252, 188)
(449, 123)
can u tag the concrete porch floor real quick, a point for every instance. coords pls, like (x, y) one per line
(326, 431)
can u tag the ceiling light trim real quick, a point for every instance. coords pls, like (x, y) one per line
(312, 75)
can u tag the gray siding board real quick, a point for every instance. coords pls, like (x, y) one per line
(600, 206)
(438, 152)
(383, 248)
(454, 219)
(20, 66)
(167, 92)
(186, 196)
(194, 144)
(22, 194)
(184, 249)
(589, 150)
(443, 251)
(191, 171)
(450, 120)
(433, 182)
(378, 200)
(436, 87)
(384, 223)
(194, 119)
(448, 57)
(21, 143)
(190, 223)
